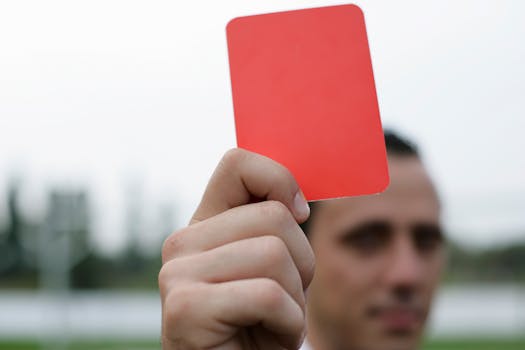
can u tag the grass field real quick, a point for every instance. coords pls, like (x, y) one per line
(463, 344)
(473, 344)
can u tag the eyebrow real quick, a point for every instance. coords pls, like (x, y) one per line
(370, 225)
(432, 228)
(383, 225)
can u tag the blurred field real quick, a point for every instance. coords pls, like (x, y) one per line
(476, 344)
(457, 344)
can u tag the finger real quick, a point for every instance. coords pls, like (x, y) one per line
(265, 340)
(262, 301)
(249, 221)
(260, 257)
(252, 338)
(242, 175)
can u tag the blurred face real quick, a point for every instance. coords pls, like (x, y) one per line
(378, 262)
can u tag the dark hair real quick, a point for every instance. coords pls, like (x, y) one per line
(395, 145)
(398, 145)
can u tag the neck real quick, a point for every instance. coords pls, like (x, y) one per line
(315, 338)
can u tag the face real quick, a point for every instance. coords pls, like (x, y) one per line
(378, 261)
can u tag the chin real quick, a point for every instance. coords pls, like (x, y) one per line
(388, 343)
(388, 340)
(400, 342)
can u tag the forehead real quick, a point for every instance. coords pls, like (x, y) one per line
(410, 196)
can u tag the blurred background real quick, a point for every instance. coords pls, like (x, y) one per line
(113, 115)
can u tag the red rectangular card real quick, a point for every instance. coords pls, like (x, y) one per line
(304, 95)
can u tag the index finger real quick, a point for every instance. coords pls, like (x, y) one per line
(242, 176)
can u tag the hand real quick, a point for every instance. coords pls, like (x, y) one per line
(235, 277)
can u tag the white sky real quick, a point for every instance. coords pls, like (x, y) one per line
(94, 93)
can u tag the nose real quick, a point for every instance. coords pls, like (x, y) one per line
(404, 271)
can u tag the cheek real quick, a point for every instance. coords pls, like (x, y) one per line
(434, 270)
(430, 279)
(344, 276)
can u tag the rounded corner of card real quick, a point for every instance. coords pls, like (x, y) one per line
(231, 23)
(383, 186)
(356, 8)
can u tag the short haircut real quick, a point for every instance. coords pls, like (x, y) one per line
(399, 145)
(396, 145)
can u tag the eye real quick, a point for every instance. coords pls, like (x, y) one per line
(427, 237)
(367, 238)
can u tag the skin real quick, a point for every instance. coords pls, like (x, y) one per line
(379, 261)
(235, 277)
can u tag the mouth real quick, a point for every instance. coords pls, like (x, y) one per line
(398, 319)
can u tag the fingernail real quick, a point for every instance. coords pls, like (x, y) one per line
(302, 209)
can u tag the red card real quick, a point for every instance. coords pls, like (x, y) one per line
(304, 95)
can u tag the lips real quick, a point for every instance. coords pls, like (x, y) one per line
(398, 319)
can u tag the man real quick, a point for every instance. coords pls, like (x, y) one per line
(237, 277)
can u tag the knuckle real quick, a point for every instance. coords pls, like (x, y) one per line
(169, 272)
(298, 322)
(307, 264)
(173, 245)
(163, 278)
(232, 157)
(177, 305)
(272, 295)
(276, 211)
(309, 268)
(274, 250)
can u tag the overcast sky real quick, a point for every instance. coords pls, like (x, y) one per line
(108, 94)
